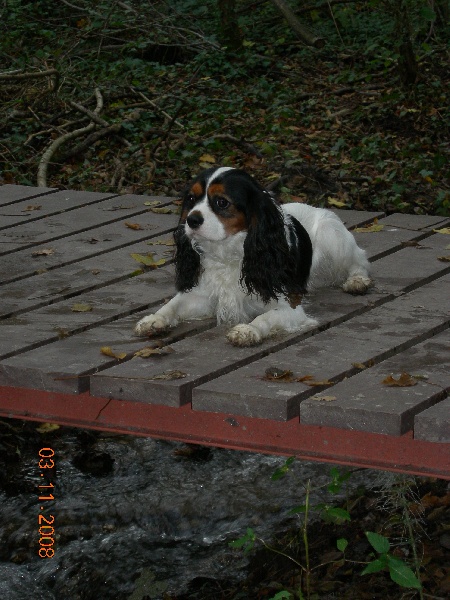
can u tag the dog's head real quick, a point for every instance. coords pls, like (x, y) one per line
(220, 203)
(224, 202)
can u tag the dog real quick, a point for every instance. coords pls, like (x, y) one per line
(248, 260)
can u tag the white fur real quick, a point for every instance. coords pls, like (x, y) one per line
(337, 260)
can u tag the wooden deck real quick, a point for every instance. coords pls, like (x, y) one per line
(69, 287)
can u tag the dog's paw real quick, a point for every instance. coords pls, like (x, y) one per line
(152, 324)
(357, 284)
(244, 335)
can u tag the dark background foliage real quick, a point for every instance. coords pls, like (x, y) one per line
(138, 96)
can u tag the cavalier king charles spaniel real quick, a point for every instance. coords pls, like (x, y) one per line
(248, 260)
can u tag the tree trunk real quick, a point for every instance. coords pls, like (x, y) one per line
(230, 34)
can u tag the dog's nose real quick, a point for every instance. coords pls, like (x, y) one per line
(195, 219)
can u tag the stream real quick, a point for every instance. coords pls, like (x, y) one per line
(136, 517)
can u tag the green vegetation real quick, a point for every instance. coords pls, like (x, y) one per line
(137, 96)
(396, 512)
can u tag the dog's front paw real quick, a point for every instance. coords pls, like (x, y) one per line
(244, 335)
(357, 284)
(152, 324)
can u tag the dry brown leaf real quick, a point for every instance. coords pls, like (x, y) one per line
(445, 230)
(152, 203)
(81, 307)
(134, 226)
(317, 383)
(148, 260)
(370, 227)
(405, 380)
(276, 374)
(32, 207)
(359, 365)
(108, 351)
(168, 242)
(164, 210)
(444, 258)
(167, 375)
(47, 427)
(148, 351)
(43, 252)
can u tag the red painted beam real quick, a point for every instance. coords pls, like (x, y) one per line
(325, 444)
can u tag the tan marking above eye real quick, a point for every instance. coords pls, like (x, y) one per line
(216, 189)
(197, 189)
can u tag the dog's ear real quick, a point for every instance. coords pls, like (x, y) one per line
(277, 255)
(187, 261)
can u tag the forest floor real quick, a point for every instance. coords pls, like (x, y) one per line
(114, 103)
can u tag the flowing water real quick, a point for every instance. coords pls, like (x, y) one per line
(153, 522)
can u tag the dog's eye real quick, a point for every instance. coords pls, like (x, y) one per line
(222, 202)
(190, 199)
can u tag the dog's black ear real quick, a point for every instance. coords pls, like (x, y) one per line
(187, 261)
(277, 255)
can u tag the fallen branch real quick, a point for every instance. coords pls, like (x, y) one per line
(91, 139)
(48, 154)
(19, 76)
(303, 32)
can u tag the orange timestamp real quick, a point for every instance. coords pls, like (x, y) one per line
(46, 523)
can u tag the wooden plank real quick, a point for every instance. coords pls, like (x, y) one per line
(14, 193)
(89, 243)
(356, 218)
(65, 365)
(364, 403)
(80, 277)
(415, 222)
(51, 322)
(47, 205)
(433, 424)
(329, 356)
(81, 219)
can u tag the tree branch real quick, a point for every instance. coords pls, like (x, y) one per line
(303, 32)
(48, 154)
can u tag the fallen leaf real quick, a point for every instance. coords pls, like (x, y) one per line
(445, 230)
(334, 202)
(404, 380)
(324, 398)
(276, 374)
(167, 375)
(80, 307)
(152, 203)
(108, 351)
(62, 333)
(146, 352)
(444, 258)
(148, 260)
(207, 158)
(163, 210)
(134, 226)
(370, 227)
(43, 252)
(317, 383)
(168, 242)
(47, 427)
(32, 207)
(359, 365)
